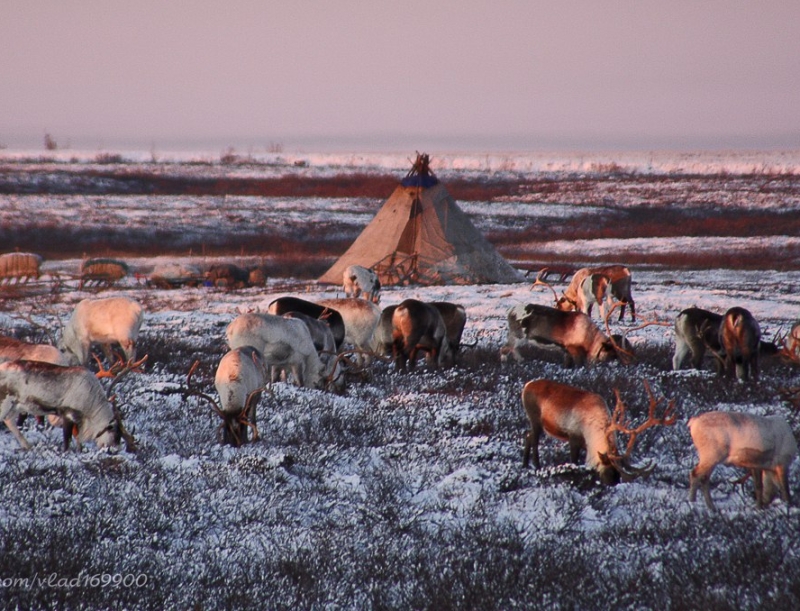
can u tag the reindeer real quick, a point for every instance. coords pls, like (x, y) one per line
(419, 326)
(15, 350)
(240, 378)
(618, 280)
(764, 445)
(740, 338)
(358, 280)
(325, 345)
(574, 332)
(583, 419)
(360, 319)
(381, 342)
(695, 331)
(455, 319)
(104, 321)
(72, 396)
(282, 305)
(282, 342)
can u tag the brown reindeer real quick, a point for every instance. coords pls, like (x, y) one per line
(583, 419)
(574, 332)
(416, 326)
(740, 339)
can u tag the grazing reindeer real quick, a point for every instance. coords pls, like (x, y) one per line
(381, 342)
(103, 321)
(583, 419)
(73, 396)
(282, 305)
(240, 379)
(619, 287)
(574, 332)
(416, 326)
(740, 338)
(698, 330)
(360, 320)
(695, 331)
(764, 445)
(455, 319)
(284, 343)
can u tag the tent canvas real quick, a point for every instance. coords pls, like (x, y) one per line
(421, 236)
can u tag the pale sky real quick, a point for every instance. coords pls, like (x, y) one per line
(390, 75)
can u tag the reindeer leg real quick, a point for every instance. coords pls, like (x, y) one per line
(758, 482)
(12, 426)
(700, 477)
(66, 431)
(532, 444)
(575, 447)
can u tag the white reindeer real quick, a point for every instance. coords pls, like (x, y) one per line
(357, 280)
(764, 445)
(73, 394)
(284, 343)
(104, 321)
(360, 321)
(241, 376)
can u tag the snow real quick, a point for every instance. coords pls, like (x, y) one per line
(397, 462)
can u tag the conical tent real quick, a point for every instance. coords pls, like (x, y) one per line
(421, 236)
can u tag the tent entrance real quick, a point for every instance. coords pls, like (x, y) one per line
(402, 269)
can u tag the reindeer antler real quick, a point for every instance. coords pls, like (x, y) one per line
(619, 423)
(540, 282)
(116, 372)
(645, 323)
(789, 345)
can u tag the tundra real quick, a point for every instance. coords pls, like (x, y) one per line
(574, 332)
(583, 419)
(103, 321)
(765, 445)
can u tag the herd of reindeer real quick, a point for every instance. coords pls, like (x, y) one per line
(314, 344)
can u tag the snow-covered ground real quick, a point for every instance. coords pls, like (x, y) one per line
(406, 490)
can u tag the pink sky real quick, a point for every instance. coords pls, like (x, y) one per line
(467, 75)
